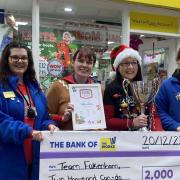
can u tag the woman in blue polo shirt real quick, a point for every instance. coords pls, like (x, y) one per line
(22, 115)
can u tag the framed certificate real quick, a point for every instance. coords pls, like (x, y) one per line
(88, 106)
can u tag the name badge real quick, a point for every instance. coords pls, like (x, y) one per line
(9, 94)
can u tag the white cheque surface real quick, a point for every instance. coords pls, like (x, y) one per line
(110, 155)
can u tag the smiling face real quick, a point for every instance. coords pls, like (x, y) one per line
(83, 65)
(128, 68)
(18, 61)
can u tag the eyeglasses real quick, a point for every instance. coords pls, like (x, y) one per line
(17, 58)
(127, 64)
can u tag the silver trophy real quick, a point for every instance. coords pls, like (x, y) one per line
(145, 92)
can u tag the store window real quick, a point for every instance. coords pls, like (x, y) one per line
(59, 39)
(59, 43)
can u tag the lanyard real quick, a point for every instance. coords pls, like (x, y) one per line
(27, 101)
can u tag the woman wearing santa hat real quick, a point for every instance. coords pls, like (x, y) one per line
(121, 109)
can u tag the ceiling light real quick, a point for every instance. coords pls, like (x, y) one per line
(111, 42)
(68, 9)
(21, 23)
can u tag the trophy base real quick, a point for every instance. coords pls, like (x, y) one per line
(143, 129)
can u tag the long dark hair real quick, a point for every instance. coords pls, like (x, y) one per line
(5, 71)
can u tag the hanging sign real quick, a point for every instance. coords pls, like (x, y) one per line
(153, 22)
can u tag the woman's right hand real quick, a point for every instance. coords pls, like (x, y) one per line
(178, 129)
(140, 121)
(68, 113)
(37, 135)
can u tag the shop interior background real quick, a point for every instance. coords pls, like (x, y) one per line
(97, 24)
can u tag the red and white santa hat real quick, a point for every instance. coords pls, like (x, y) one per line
(121, 52)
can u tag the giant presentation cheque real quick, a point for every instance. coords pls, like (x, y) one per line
(107, 155)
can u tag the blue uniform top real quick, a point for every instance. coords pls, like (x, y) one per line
(168, 103)
(13, 130)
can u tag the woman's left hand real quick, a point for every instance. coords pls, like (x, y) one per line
(140, 121)
(68, 113)
(37, 135)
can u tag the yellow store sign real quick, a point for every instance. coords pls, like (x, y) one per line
(153, 22)
(170, 4)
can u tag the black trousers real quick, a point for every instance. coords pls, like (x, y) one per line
(29, 171)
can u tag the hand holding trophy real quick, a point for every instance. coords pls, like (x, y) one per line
(145, 92)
